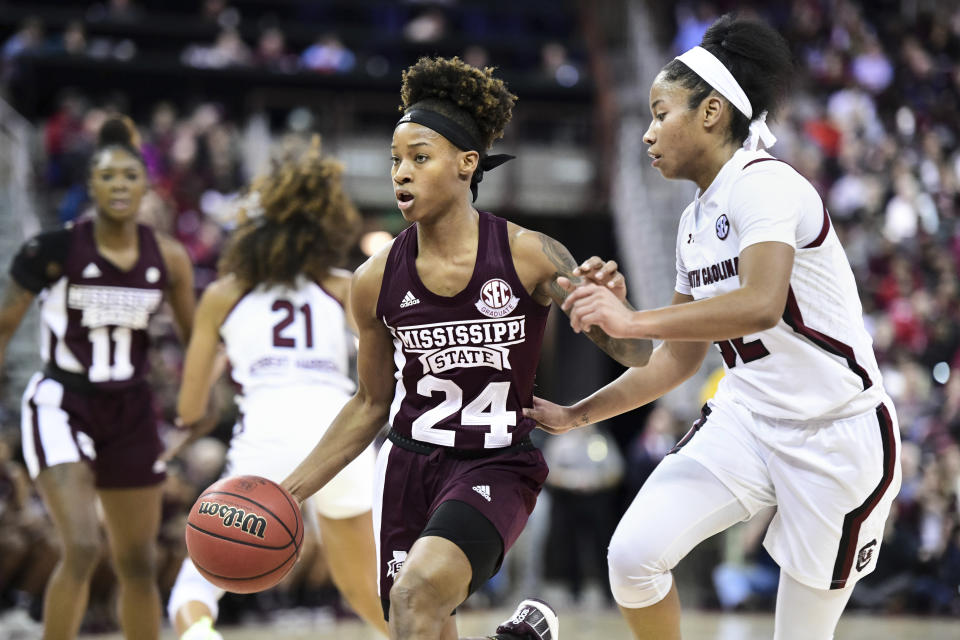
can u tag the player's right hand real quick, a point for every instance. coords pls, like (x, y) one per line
(552, 418)
(604, 273)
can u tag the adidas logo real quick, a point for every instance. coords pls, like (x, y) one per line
(483, 490)
(91, 271)
(408, 301)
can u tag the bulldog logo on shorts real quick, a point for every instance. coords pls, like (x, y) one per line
(865, 555)
(394, 566)
(496, 299)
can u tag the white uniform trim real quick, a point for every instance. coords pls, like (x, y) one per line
(381, 479)
(45, 426)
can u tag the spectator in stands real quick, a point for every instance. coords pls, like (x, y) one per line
(28, 39)
(229, 50)
(328, 55)
(555, 64)
(272, 52)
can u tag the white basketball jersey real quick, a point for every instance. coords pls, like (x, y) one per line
(818, 361)
(281, 339)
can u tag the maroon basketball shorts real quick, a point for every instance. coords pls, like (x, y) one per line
(410, 486)
(115, 432)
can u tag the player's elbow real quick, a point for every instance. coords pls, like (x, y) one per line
(374, 406)
(635, 353)
(763, 311)
(766, 319)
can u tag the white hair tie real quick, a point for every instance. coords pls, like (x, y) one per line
(715, 73)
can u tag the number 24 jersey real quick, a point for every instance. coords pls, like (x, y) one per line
(465, 364)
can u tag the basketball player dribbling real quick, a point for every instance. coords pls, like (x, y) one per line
(89, 433)
(280, 313)
(801, 419)
(450, 319)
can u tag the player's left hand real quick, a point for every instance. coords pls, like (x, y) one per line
(605, 273)
(551, 417)
(591, 305)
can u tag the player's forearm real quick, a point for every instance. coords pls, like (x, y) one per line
(732, 315)
(636, 387)
(630, 352)
(352, 431)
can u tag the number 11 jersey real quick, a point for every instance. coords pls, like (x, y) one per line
(94, 314)
(465, 364)
(817, 362)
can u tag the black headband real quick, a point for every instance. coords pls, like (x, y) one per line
(460, 137)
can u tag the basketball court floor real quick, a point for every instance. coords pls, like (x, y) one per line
(606, 625)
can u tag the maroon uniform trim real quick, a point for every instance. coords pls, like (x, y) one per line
(37, 442)
(854, 519)
(702, 420)
(826, 217)
(823, 231)
(753, 162)
(794, 319)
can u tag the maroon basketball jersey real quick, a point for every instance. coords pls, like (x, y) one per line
(94, 314)
(466, 363)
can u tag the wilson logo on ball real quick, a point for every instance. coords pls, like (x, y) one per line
(249, 523)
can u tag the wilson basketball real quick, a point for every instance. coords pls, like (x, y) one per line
(244, 533)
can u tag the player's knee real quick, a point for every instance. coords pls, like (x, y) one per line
(415, 593)
(81, 554)
(639, 570)
(136, 564)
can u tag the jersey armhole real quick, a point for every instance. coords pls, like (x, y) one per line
(502, 232)
(388, 269)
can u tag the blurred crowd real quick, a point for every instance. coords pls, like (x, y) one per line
(873, 121)
(373, 37)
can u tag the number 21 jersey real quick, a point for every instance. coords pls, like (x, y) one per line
(465, 364)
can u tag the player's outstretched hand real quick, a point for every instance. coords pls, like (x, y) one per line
(591, 305)
(552, 418)
(604, 273)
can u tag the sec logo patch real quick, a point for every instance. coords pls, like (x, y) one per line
(496, 299)
(723, 227)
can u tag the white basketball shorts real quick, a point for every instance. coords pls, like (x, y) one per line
(277, 430)
(833, 483)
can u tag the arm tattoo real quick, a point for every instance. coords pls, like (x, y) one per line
(564, 264)
(629, 352)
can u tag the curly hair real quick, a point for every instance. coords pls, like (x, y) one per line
(470, 96)
(308, 223)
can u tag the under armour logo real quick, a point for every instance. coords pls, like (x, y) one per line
(483, 490)
(865, 555)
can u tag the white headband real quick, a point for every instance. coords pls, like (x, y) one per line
(715, 73)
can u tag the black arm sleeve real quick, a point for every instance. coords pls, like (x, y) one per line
(39, 263)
